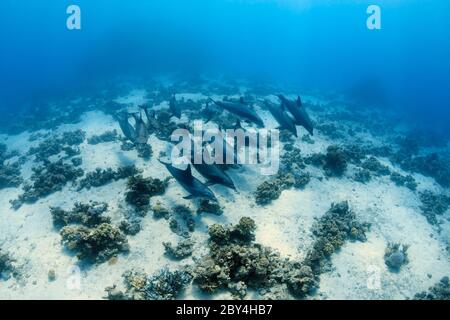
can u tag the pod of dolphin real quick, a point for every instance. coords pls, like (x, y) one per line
(288, 114)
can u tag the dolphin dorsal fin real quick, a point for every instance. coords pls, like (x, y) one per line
(299, 101)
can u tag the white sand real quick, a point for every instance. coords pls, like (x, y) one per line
(284, 225)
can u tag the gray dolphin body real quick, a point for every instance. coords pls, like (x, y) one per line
(175, 107)
(283, 119)
(126, 127)
(242, 110)
(141, 129)
(299, 113)
(192, 185)
(214, 174)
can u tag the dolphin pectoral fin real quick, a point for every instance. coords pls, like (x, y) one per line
(189, 197)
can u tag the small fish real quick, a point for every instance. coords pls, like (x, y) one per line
(299, 113)
(283, 119)
(192, 185)
(242, 110)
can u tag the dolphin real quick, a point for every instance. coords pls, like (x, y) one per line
(227, 148)
(175, 107)
(241, 109)
(141, 129)
(192, 185)
(127, 129)
(298, 111)
(283, 119)
(213, 173)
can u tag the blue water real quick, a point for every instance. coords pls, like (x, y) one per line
(322, 45)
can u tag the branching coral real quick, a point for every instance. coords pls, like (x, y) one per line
(291, 174)
(8, 266)
(236, 263)
(144, 151)
(272, 189)
(332, 230)
(363, 176)
(9, 172)
(372, 164)
(406, 181)
(432, 165)
(159, 211)
(47, 179)
(10, 175)
(267, 192)
(54, 145)
(207, 206)
(101, 177)
(141, 189)
(108, 136)
(440, 291)
(334, 162)
(95, 245)
(433, 205)
(182, 250)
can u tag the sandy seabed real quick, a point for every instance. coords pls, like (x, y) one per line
(284, 225)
